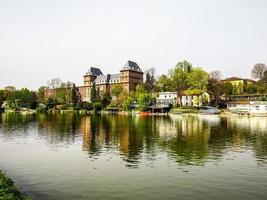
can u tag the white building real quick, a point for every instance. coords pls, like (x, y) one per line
(167, 98)
(253, 107)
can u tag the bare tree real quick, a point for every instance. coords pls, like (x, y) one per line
(216, 75)
(54, 83)
(258, 71)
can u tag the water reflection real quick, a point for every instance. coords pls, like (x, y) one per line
(188, 140)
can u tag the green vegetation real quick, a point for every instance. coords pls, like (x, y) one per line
(8, 191)
(184, 78)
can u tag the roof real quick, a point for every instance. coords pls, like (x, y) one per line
(94, 71)
(237, 79)
(114, 78)
(102, 79)
(130, 65)
(106, 79)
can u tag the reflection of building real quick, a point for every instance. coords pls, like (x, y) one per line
(129, 77)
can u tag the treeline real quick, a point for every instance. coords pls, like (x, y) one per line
(15, 99)
(184, 78)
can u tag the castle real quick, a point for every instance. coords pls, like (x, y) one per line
(129, 77)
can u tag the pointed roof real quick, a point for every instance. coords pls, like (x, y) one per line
(130, 65)
(94, 71)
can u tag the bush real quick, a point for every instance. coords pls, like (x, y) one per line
(8, 189)
(64, 107)
(97, 106)
(87, 106)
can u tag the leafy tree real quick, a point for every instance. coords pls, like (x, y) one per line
(33, 102)
(216, 87)
(116, 91)
(180, 80)
(149, 82)
(2, 97)
(250, 89)
(184, 66)
(75, 95)
(93, 93)
(51, 103)
(228, 88)
(105, 100)
(41, 94)
(143, 98)
(87, 106)
(164, 84)
(198, 79)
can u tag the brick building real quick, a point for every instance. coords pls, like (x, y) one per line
(129, 77)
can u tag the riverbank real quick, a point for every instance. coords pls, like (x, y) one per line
(8, 190)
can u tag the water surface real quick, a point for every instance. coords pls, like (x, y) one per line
(122, 157)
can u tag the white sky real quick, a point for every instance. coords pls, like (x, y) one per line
(44, 39)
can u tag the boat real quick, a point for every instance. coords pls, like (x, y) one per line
(208, 110)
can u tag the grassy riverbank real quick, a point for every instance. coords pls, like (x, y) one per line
(8, 190)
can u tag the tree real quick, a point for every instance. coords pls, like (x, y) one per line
(264, 78)
(143, 98)
(228, 88)
(216, 88)
(149, 82)
(2, 97)
(33, 101)
(93, 93)
(216, 75)
(180, 81)
(54, 83)
(198, 79)
(164, 84)
(75, 96)
(116, 90)
(41, 94)
(258, 71)
(184, 66)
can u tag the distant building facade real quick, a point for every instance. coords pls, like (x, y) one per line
(129, 77)
(239, 84)
(167, 98)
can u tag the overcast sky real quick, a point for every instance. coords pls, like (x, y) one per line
(43, 39)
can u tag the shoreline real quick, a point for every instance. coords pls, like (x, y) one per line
(8, 190)
(224, 112)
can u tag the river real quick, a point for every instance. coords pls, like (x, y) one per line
(71, 156)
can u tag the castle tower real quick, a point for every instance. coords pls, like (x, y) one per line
(91, 75)
(130, 76)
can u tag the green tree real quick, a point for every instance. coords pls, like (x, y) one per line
(93, 93)
(164, 84)
(184, 66)
(143, 98)
(33, 101)
(180, 80)
(198, 79)
(228, 88)
(75, 96)
(149, 82)
(216, 87)
(116, 91)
